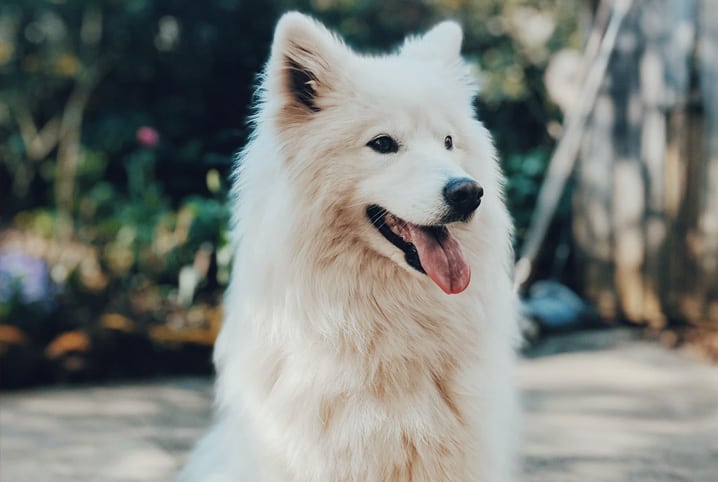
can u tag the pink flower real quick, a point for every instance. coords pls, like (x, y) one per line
(147, 136)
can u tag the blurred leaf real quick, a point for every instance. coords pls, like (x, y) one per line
(70, 341)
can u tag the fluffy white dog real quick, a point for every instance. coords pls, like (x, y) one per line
(370, 322)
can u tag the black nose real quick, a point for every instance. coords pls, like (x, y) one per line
(463, 196)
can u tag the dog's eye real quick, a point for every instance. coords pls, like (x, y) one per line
(448, 143)
(383, 144)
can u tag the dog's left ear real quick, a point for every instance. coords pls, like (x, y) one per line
(303, 62)
(443, 41)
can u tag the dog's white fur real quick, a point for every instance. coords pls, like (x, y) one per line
(337, 361)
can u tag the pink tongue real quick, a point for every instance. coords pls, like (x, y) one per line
(442, 260)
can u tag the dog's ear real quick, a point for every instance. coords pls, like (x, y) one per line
(443, 41)
(303, 61)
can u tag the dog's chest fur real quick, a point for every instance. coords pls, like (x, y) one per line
(385, 415)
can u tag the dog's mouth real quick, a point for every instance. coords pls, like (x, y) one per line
(428, 249)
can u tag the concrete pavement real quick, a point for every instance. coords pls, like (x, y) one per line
(600, 406)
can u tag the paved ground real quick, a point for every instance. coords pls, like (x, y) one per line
(601, 406)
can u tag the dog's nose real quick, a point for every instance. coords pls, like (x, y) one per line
(463, 196)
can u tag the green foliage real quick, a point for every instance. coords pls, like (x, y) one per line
(525, 171)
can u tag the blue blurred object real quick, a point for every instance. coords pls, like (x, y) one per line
(555, 307)
(26, 279)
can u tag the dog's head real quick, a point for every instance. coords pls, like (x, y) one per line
(390, 141)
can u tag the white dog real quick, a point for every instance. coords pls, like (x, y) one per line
(370, 322)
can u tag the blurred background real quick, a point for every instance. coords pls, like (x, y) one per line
(119, 120)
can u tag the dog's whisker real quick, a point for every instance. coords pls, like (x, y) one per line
(378, 216)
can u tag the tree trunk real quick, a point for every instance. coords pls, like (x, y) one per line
(646, 192)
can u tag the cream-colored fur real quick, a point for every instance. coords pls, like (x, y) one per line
(337, 361)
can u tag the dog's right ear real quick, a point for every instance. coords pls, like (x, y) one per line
(302, 63)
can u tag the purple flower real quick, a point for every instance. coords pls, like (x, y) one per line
(26, 278)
